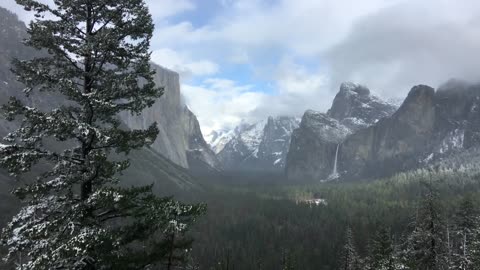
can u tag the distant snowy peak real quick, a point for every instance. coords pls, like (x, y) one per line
(275, 144)
(248, 134)
(259, 146)
(315, 145)
(356, 107)
(284, 123)
(324, 127)
(252, 135)
(218, 139)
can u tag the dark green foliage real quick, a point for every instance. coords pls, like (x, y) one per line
(95, 60)
(348, 259)
(382, 254)
(261, 218)
(426, 247)
(475, 247)
(464, 235)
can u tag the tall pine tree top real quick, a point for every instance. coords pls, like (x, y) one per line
(95, 57)
(348, 259)
(427, 245)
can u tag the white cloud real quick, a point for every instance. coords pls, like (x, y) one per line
(221, 103)
(303, 27)
(183, 64)
(297, 90)
(422, 42)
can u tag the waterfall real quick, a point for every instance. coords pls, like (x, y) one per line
(334, 174)
(335, 163)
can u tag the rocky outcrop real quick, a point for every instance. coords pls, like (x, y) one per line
(394, 143)
(313, 148)
(238, 152)
(429, 128)
(458, 111)
(200, 156)
(256, 147)
(275, 143)
(218, 139)
(12, 32)
(169, 114)
(180, 138)
(356, 108)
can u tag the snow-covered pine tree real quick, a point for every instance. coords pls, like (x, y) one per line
(95, 56)
(426, 245)
(475, 245)
(175, 246)
(349, 259)
(382, 255)
(465, 228)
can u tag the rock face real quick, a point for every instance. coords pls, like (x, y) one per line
(200, 156)
(275, 143)
(12, 32)
(313, 148)
(255, 147)
(429, 128)
(394, 143)
(356, 108)
(180, 137)
(168, 112)
(218, 139)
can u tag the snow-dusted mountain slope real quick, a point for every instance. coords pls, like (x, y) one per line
(430, 128)
(261, 146)
(218, 139)
(315, 144)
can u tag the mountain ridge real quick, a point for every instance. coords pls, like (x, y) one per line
(261, 146)
(429, 129)
(313, 149)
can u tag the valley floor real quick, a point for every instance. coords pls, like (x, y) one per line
(263, 222)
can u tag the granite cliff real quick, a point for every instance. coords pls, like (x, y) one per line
(429, 128)
(315, 144)
(262, 146)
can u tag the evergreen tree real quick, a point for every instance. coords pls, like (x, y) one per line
(95, 56)
(426, 247)
(382, 251)
(465, 228)
(349, 259)
(176, 246)
(475, 246)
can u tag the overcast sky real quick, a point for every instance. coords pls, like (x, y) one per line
(248, 59)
